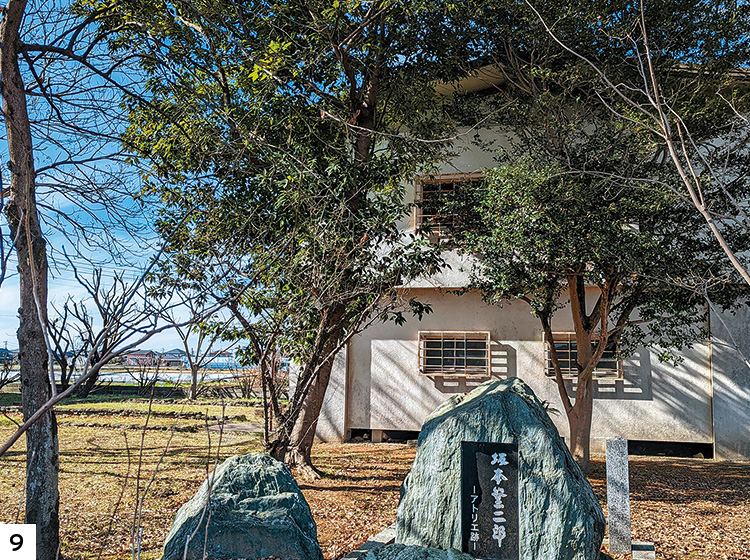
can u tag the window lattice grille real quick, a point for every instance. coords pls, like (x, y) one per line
(454, 353)
(567, 355)
(432, 195)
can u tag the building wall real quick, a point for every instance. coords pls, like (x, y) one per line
(731, 379)
(703, 399)
(332, 420)
(382, 389)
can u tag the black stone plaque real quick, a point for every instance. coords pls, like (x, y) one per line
(489, 500)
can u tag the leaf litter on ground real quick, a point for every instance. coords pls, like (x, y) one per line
(692, 509)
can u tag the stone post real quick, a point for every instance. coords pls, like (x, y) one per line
(618, 496)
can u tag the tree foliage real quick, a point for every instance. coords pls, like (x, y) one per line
(536, 226)
(586, 199)
(675, 73)
(287, 131)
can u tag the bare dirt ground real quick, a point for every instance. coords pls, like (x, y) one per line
(692, 509)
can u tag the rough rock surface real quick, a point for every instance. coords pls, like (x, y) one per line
(403, 552)
(254, 510)
(560, 516)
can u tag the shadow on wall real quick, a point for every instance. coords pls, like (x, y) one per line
(389, 396)
(502, 365)
(679, 392)
(732, 390)
(330, 425)
(636, 383)
(732, 413)
(731, 350)
(658, 401)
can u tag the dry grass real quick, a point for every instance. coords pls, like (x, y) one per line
(691, 509)
(136, 406)
(99, 458)
(358, 495)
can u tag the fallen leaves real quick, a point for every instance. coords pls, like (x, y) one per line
(691, 509)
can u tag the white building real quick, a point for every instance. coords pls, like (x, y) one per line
(390, 377)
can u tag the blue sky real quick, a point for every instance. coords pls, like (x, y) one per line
(85, 187)
(62, 285)
(83, 192)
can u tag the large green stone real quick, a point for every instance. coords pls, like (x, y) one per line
(560, 517)
(254, 510)
(403, 552)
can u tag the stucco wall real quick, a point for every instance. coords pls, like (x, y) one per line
(653, 401)
(731, 346)
(377, 386)
(331, 422)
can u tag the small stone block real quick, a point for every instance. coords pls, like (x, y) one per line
(644, 551)
(618, 496)
(384, 537)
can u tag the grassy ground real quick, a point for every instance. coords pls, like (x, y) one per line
(108, 465)
(691, 509)
(134, 406)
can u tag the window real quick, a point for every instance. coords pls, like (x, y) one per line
(464, 354)
(431, 197)
(567, 354)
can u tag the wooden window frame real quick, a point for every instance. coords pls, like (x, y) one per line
(566, 356)
(454, 370)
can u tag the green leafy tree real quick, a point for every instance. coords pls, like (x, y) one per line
(287, 131)
(617, 259)
(585, 206)
(665, 47)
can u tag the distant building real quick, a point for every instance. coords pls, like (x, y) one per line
(222, 359)
(141, 358)
(173, 358)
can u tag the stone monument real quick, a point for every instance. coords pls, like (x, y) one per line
(558, 514)
(618, 496)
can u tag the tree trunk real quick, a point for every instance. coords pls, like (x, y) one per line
(42, 460)
(88, 386)
(579, 415)
(66, 374)
(91, 380)
(193, 381)
(579, 422)
(296, 451)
